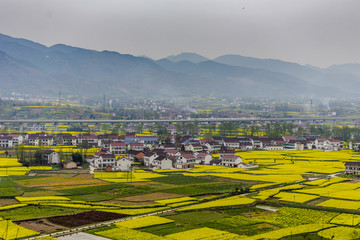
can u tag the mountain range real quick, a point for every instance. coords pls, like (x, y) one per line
(31, 68)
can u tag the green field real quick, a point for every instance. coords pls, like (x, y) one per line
(216, 201)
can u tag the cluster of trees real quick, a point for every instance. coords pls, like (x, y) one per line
(283, 129)
(31, 157)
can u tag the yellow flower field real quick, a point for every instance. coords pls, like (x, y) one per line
(301, 167)
(214, 169)
(176, 200)
(9, 230)
(45, 198)
(203, 233)
(42, 168)
(12, 206)
(335, 203)
(144, 222)
(346, 219)
(170, 170)
(326, 182)
(346, 190)
(263, 185)
(340, 233)
(265, 194)
(174, 205)
(295, 197)
(9, 162)
(230, 201)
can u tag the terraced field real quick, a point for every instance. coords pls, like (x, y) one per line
(209, 202)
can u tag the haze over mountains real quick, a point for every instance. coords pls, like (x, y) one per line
(29, 67)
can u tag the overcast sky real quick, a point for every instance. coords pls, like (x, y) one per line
(317, 32)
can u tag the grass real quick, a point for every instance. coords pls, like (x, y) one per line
(8, 188)
(7, 182)
(11, 192)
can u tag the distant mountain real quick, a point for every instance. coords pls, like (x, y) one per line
(235, 81)
(345, 78)
(293, 69)
(351, 68)
(29, 67)
(16, 77)
(187, 56)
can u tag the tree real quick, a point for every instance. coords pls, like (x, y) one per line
(78, 158)
(139, 127)
(38, 157)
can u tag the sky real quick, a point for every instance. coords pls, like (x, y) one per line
(316, 32)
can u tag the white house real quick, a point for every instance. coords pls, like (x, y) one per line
(322, 144)
(172, 152)
(185, 161)
(193, 147)
(246, 146)
(51, 157)
(162, 162)
(136, 146)
(6, 142)
(231, 143)
(117, 147)
(103, 161)
(213, 146)
(122, 164)
(257, 143)
(203, 158)
(273, 148)
(149, 158)
(335, 144)
(40, 140)
(17, 139)
(230, 160)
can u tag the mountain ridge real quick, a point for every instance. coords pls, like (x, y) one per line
(29, 67)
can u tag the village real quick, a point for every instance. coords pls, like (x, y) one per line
(122, 152)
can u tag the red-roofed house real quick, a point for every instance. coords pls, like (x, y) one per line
(288, 138)
(117, 147)
(193, 147)
(185, 161)
(136, 146)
